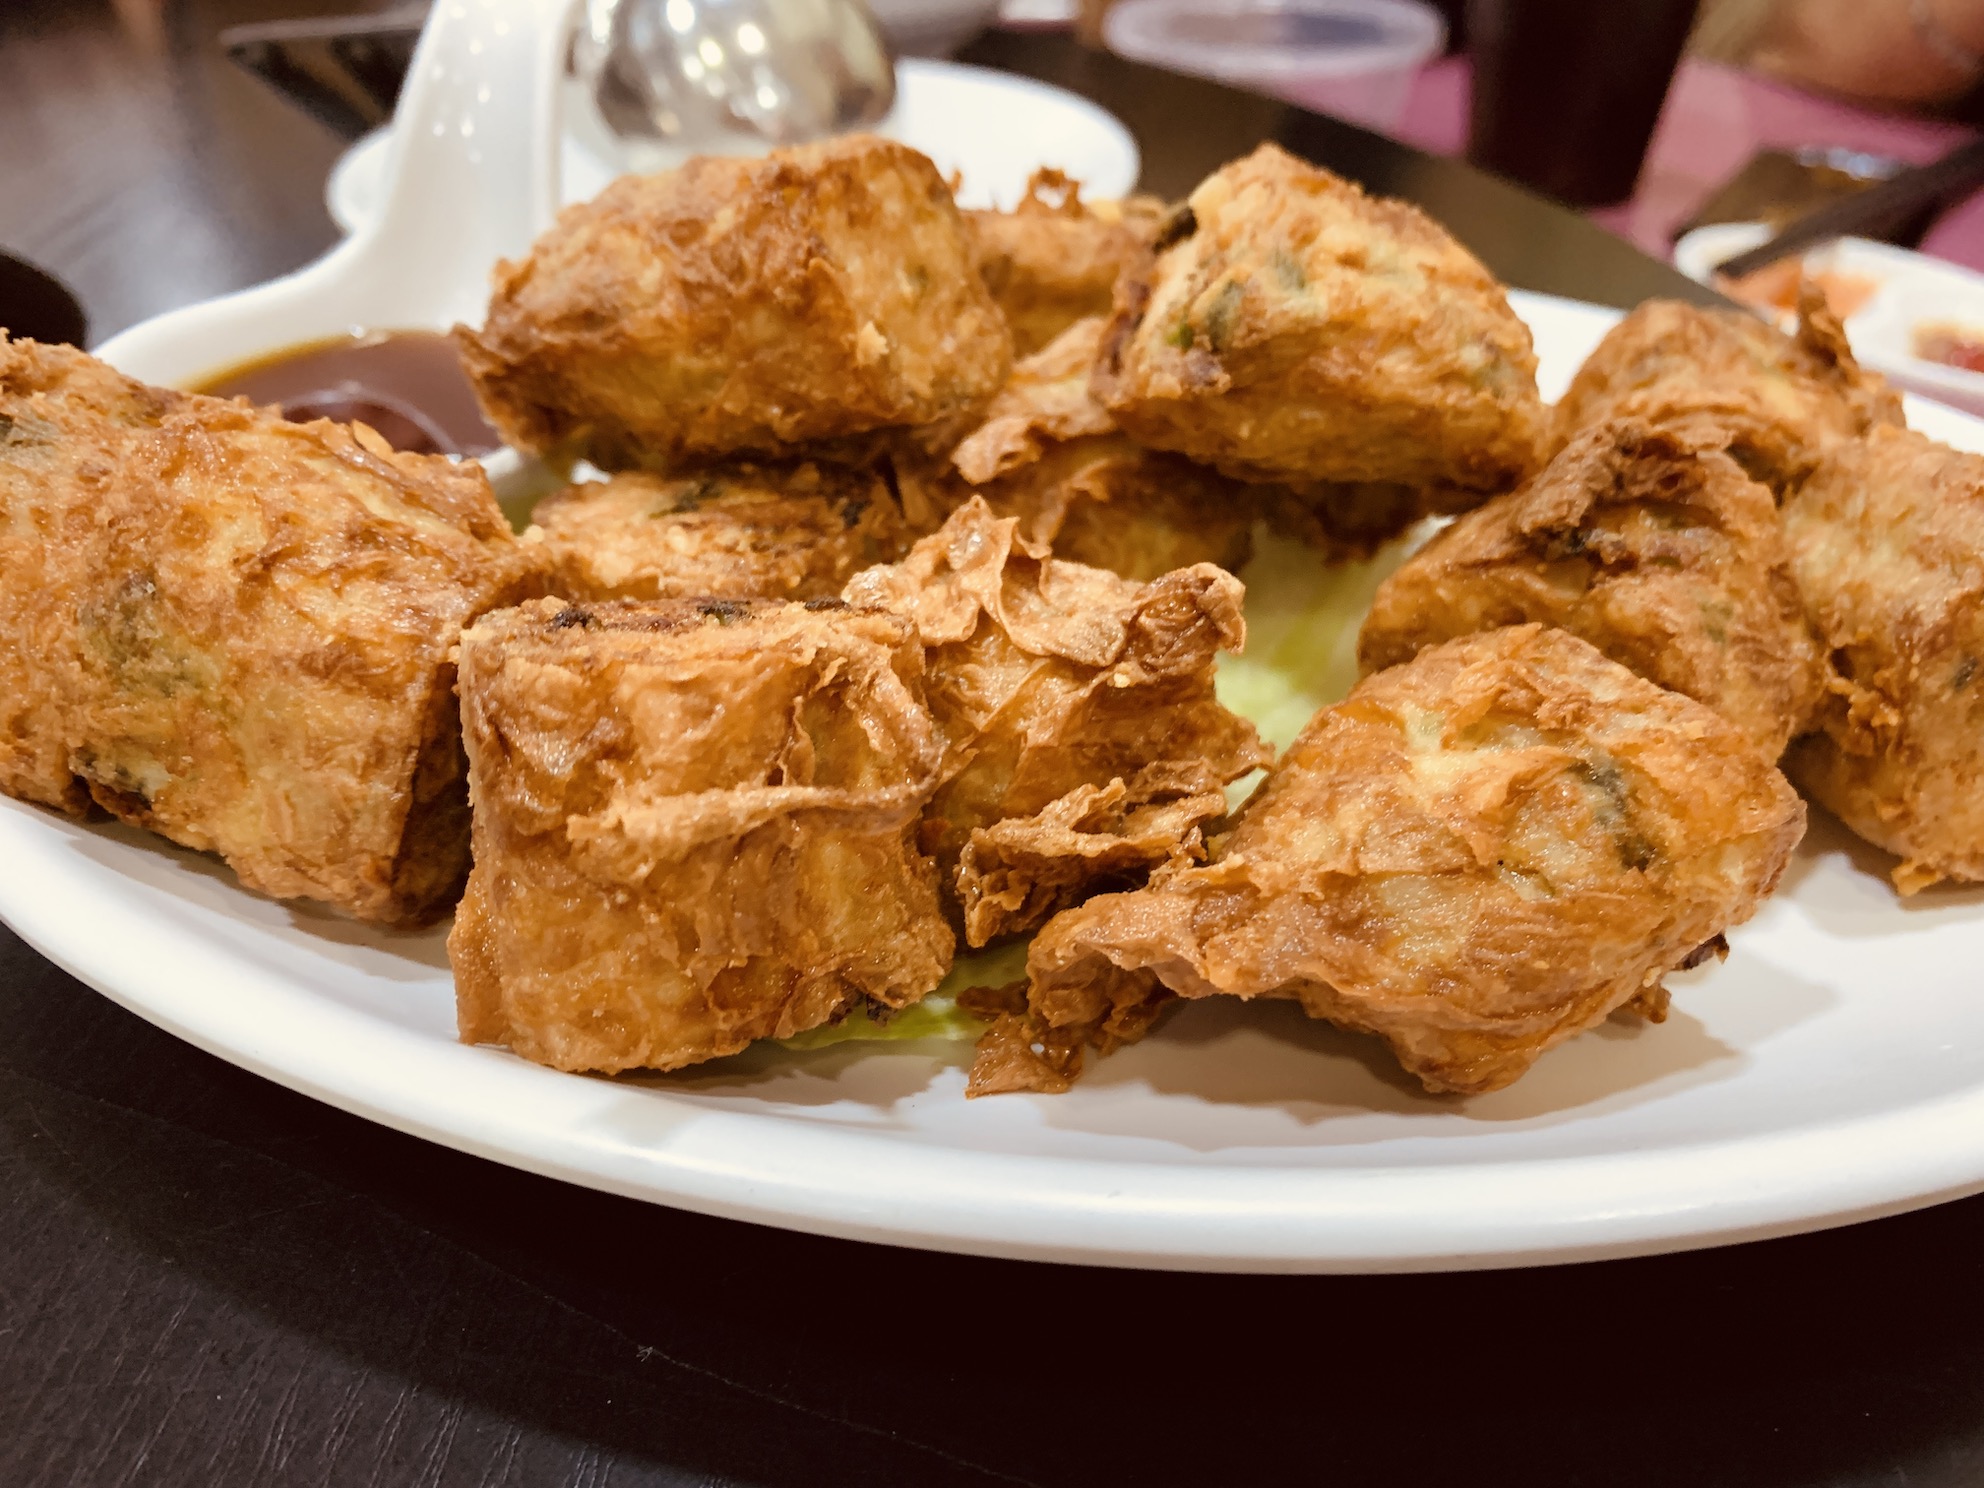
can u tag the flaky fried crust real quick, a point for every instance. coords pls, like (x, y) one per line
(742, 307)
(65, 420)
(1046, 676)
(1664, 556)
(1054, 259)
(695, 826)
(726, 532)
(1290, 328)
(1887, 544)
(1051, 456)
(1725, 378)
(1017, 874)
(1474, 856)
(247, 632)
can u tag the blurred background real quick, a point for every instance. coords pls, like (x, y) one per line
(1655, 117)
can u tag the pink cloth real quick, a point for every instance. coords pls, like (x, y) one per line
(1716, 118)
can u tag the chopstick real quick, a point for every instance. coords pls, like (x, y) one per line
(1896, 198)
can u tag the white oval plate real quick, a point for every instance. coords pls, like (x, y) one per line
(992, 129)
(1831, 1069)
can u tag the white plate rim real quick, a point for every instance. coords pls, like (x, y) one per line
(862, 1185)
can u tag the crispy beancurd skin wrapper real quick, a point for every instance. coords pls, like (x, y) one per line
(1054, 259)
(1887, 543)
(1726, 378)
(1474, 856)
(1051, 456)
(65, 420)
(738, 307)
(1017, 874)
(728, 532)
(245, 644)
(1290, 328)
(1045, 676)
(695, 826)
(1666, 557)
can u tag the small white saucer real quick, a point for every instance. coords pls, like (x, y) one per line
(991, 128)
(1914, 290)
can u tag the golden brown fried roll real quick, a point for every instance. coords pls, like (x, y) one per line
(1051, 456)
(246, 645)
(1887, 544)
(1054, 259)
(1724, 377)
(729, 532)
(1290, 328)
(1048, 676)
(742, 307)
(695, 826)
(1475, 856)
(1664, 556)
(65, 420)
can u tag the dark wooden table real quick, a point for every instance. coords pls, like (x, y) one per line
(206, 1280)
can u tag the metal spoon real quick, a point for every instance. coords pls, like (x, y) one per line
(732, 75)
(728, 76)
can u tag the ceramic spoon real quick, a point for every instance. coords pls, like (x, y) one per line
(472, 177)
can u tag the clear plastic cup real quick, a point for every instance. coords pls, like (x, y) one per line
(1352, 58)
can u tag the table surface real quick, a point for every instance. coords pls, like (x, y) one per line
(1715, 119)
(208, 1280)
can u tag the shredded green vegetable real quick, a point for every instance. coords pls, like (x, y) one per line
(1302, 619)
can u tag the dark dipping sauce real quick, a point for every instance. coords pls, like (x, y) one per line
(408, 385)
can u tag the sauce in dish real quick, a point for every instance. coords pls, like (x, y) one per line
(408, 385)
(1952, 345)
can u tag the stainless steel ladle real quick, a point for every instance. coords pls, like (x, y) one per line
(732, 75)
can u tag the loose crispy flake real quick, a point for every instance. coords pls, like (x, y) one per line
(1046, 676)
(1887, 543)
(1475, 856)
(1051, 456)
(1724, 378)
(695, 826)
(812, 297)
(1054, 259)
(1018, 873)
(1663, 555)
(730, 532)
(1292, 329)
(245, 627)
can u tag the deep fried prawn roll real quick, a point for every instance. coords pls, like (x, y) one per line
(729, 532)
(1291, 328)
(732, 307)
(1474, 856)
(695, 826)
(1887, 543)
(1048, 676)
(65, 420)
(1664, 556)
(1054, 259)
(1726, 378)
(246, 630)
(1050, 455)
